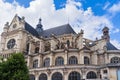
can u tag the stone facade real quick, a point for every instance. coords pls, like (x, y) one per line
(62, 56)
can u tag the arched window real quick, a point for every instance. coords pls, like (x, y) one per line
(115, 60)
(27, 48)
(91, 75)
(59, 61)
(57, 76)
(32, 77)
(74, 76)
(37, 50)
(73, 60)
(35, 63)
(47, 46)
(68, 43)
(86, 60)
(47, 62)
(43, 77)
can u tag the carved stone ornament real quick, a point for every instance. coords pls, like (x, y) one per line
(36, 72)
(48, 71)
(84, 70)
(65, 71)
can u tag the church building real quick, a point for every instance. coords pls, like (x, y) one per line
(60, 53)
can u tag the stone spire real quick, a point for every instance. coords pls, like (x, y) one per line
(106, 34)
(39, 27)
(6, 27)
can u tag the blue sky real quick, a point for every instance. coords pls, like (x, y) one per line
(108, 10)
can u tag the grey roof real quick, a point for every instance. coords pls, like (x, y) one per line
(60, 30)
(110, 46)
(30, 29)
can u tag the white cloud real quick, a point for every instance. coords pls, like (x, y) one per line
(116, 30)
(115, 8)
(116, 43)
(72, 13)
(107, 4)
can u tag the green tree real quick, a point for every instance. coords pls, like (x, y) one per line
(14, 68)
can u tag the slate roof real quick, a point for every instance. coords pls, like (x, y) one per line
(30, 29)
(110, 46)
(60, 30)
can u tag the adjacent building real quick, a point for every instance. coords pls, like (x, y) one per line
(60, 53)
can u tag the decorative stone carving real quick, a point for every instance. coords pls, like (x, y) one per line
(48, 71)
(65, 71)
(84, 70)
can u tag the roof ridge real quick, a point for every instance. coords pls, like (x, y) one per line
(57, 26)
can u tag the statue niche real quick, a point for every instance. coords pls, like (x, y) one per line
(47, 46)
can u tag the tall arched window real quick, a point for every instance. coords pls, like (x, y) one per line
(91, 75)
(32, 77)
(86, 60)
(115, 60)
(37, 50)
(43, 77)
(73, 60)
(59, 61)
(57, 76)
(74, 76)
(47, 62)
(68, 43)
(27, 48)
(35, 63)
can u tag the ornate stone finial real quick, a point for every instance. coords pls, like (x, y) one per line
(23, 18)
(39, 26)
(82, 31)
(106, 33)
(7, 24)
(40, 21)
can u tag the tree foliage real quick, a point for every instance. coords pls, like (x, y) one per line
(14, 68)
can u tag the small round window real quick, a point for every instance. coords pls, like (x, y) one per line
(11, 43)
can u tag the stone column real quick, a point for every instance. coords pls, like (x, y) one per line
(65, 72)
(41, 46)
(106, 58)
(79, 58)
(36, 75)
(52, 59)
(49, 74)
(83, 73)
(66, 58)
(30, 48)
(40, 61)
(98, 73)
(91, 59)
(28, 62)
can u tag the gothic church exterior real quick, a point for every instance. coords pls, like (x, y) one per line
(60, 53)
